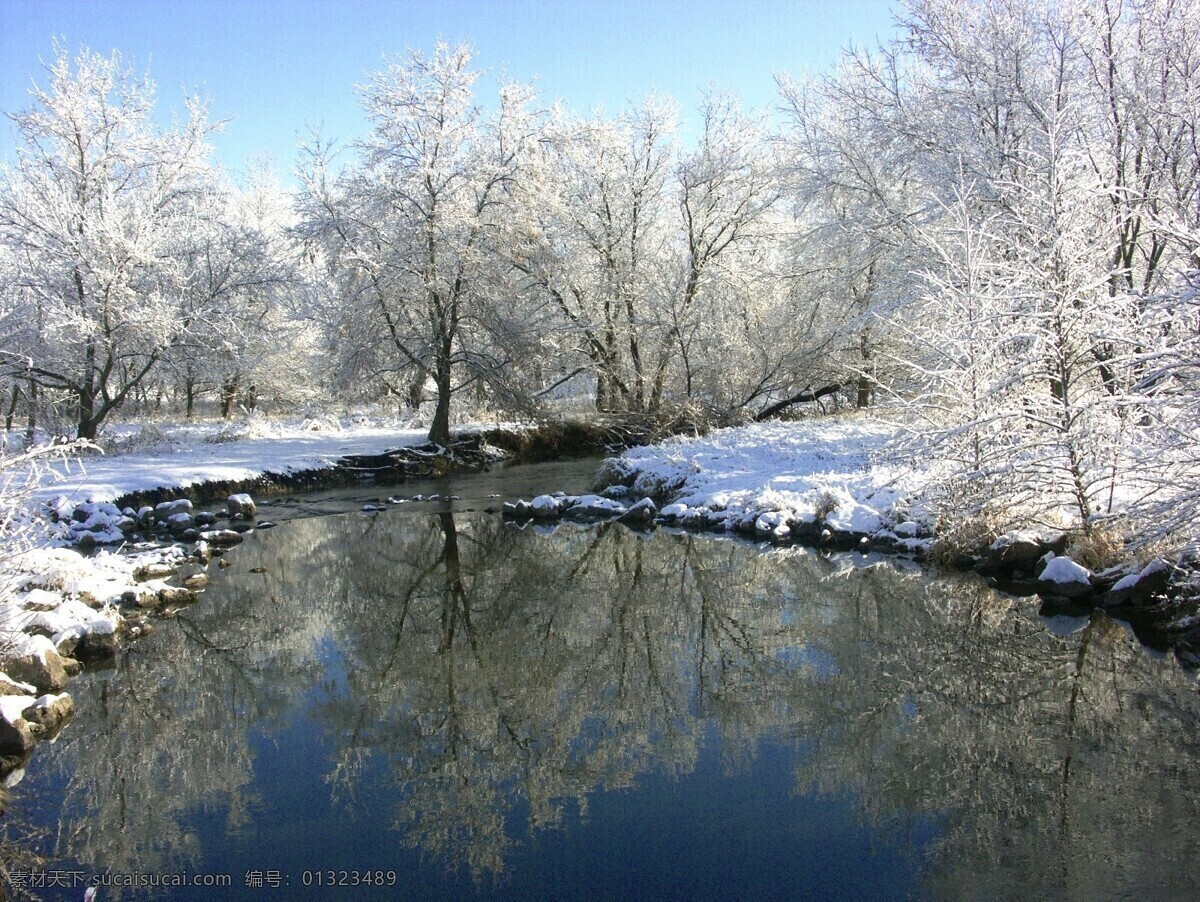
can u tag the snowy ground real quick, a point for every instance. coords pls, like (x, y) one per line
(829, 469)
(175, 457)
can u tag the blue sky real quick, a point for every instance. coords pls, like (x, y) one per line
(274, 67)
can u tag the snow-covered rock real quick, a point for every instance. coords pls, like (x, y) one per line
(545, 507)
(241, 506)
(641, 513)
(593, 507)
(167, 509)
(1063, 576)
(1139, 588)
(223, 538)
(36, 661)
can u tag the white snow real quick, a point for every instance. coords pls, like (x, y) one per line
(1064, 571)
(24, 688)
(198, 454)
(11, 706)
(1126, 582)
(74, 619)
(834, 467)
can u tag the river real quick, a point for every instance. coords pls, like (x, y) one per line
(426, 702)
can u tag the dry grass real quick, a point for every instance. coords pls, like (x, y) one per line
(1099, 548)
(969, 536)
(824, 505)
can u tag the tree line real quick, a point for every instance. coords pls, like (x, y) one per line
(993, 220)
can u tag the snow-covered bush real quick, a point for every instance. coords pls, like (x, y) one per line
(147, 438)
(322, 423)
(20, 527)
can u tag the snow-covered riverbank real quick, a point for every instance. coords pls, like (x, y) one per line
(832, 470)
(187, 455)
(781, 481)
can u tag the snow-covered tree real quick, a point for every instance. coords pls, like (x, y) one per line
(95, 210)
(407, 229)
(239, 263)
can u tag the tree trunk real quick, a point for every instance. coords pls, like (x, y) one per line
(803, 397)
(416, 392)
(189, 390)
(12, 407)
(439, 429)
(31, 420)
(88, 423)
(229, 390)
(863, 398)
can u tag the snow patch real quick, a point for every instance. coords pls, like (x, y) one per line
(1064, 571)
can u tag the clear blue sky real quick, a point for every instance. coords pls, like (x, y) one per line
(273, 67)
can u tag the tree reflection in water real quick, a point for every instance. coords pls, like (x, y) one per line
(498, 678)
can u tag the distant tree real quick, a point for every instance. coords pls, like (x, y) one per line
(595, 242)
(239, 263)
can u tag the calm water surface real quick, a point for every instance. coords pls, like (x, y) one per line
(457, 708)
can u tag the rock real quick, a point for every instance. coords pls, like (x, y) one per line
(176, 595)
(640, 514)
(1063, 577)
(48, 715)
(179, 523)
(546, 507)
(1014, 551)
(673, 511)
(205, 518)
(9, 686)
(1152, 581)
(807, 532)
(1140, 588)
(45, 669)
(241, 506)
(95, 646)
(168, 509)
(154, 570)
(771, 523)
(142, 597)
(221, 537)
(196, 581)
(518, 510)
(15, 738)
(591, 507)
